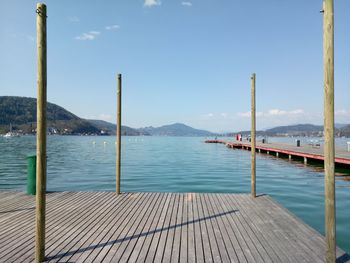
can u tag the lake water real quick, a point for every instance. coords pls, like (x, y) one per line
(176, 164)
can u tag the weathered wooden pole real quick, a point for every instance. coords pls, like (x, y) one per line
(252, 138)
(328, 59)
(41, 134)
(118, 133)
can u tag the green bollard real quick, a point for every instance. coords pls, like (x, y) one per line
(31, 177)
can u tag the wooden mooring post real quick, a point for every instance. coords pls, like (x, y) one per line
(329, 151)
(118, 133)
(41, 134)
(252, 137)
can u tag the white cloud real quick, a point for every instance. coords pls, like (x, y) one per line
(88, 36)
(342, 113)
(112, 27)
(186, 3)
(244, 114)
(74, 19)
(207, 116)
(150, 3)
(272, 113)
(248, 113)
(105, 117)
(276, 112)
(224, 114)
(298, 111)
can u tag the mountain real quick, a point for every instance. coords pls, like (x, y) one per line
(300, 130)
(296, 130)
(20, 112)
(176, 129)
(110, 128)
(345, 131)
(339, 125)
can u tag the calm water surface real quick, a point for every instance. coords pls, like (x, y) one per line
(176, 164)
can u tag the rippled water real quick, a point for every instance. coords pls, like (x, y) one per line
(176, 164)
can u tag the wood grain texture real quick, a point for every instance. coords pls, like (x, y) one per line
(41, 132)
(253, 137)
(119, 133)
(158, 227)
(329, 148)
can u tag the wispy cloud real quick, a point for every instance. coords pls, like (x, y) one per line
(150, 3)
(248, 114)
(112, 27)
(102, 116)
(207, 116)
(224, 114)
(186, 3)
(272, 113)
(105, 117)
(91, 35)
(342, 113)
(22, 36)
(74, 19)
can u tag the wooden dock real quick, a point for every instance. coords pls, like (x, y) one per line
(155, 227)
(306, 152)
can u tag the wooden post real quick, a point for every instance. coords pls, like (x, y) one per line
(253, 139)
(328, 59)
(118, 133)
(41, 134)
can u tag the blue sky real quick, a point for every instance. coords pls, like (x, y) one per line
(182, 61)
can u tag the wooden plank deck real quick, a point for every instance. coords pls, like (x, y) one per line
(158, 227)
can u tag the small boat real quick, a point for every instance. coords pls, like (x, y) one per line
(11, 133)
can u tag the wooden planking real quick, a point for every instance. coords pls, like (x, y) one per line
(165, 231)
(265, 229)
(60, 223)
(120, 229)
(93, 237)
(148, 230)
(222, 225)
(281, 230)
(23, 230)
(55, 220)
(218, 244)
(175, 253)
(171, 232)
(132, 235)
(158, 227)
(157, 232)
(85, 227)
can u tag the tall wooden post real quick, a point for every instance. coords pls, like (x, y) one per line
(118, 133)
(252, 138)
(328, 59)
(41, 134)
